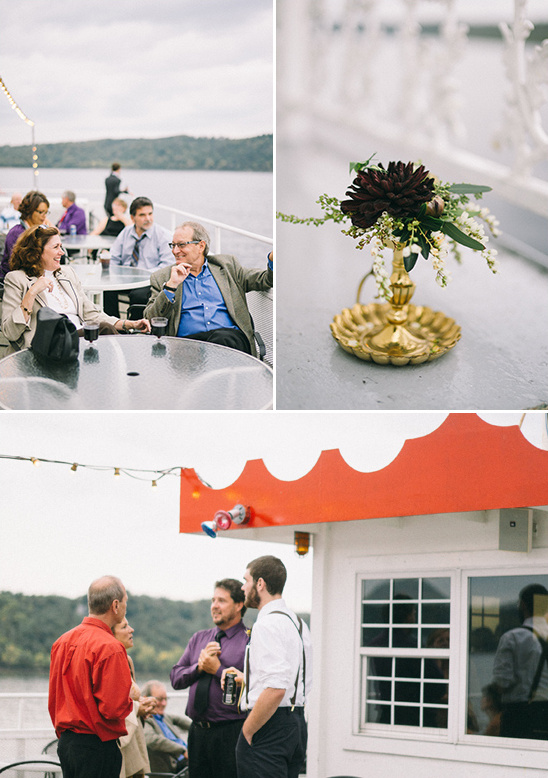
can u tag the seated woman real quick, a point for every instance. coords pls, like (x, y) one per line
(34, 209)
(37, 279)
(134, 749)
(113, 225)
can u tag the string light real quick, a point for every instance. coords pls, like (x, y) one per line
(148, 474)
(28, 121)
(14, 105)
(154, 485)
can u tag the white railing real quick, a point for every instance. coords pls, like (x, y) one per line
(393, 70)
(25, 726)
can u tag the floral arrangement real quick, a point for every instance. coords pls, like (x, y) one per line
(403, 205)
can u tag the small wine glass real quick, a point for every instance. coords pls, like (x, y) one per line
(158, 326)
(91, 332)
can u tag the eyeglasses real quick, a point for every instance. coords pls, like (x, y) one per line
(182, 245)
(41, 213)
(161, 699)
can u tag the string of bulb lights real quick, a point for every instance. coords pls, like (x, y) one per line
(21, 114)
(152, 475)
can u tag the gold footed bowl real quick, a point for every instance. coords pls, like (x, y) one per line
(397, 332)
(366, 332)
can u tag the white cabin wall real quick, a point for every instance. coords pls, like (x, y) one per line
(342, 551)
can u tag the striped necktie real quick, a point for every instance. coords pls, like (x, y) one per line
(135, 253)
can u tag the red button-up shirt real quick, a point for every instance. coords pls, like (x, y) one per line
(89, 682)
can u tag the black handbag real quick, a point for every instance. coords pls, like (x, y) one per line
(56, 337)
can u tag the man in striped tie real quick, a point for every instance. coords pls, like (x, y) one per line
(141, 244)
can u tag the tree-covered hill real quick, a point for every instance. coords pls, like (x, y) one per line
(29, 625)
(181, 152)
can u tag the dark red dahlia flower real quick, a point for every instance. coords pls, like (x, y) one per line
(400, 191)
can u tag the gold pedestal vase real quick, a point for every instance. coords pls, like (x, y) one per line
(397, 332)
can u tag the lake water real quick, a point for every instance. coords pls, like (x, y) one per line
(239, 199)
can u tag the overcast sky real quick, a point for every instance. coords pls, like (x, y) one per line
(59, 530)
(136, 69)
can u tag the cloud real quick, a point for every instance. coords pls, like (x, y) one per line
(135, 69)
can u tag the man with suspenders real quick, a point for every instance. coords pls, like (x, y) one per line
(276, 679)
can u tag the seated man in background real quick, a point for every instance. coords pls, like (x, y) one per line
(142, 244)
(73, 216)
(203, 295)
(166, 736)
(10, 215)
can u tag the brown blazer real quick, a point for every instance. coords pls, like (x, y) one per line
(233, 281)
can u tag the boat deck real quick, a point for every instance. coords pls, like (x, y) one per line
(501, 361)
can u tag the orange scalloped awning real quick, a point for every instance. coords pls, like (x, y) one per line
(466, 464)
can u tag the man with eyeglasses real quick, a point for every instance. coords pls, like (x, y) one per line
(141, 244)
(165, 735)
(203, 295)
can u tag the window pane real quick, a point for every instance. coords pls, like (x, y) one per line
(504, 655)
(375, 614)
(404, 638)
(407, 692)
(376, 590)
(408, 716)
(406, 587)
(435, 613)
(374, 637)
(435, 638)
(436, 588)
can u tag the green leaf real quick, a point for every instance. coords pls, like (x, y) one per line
(469, 188)
(461, 237)
(425, 248)
(431, 222)
(410, 261)
(357, 166)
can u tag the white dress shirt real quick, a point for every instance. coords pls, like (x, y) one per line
(275, 655)
(516, 663)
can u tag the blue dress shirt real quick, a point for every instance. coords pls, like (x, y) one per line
(203, 308)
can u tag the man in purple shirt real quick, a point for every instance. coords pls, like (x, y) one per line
(74, 215)
(215, 726)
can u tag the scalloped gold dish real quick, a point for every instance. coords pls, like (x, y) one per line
(367, 332)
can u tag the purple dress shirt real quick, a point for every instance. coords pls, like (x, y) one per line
(11, 240)
(185, 673)
(73, 215)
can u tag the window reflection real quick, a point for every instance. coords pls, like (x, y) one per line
(508, 657)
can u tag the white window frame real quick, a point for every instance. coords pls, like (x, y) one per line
(452, 744)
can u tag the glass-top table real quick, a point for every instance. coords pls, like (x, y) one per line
(85, 242)
(138, 372)
(116, 278)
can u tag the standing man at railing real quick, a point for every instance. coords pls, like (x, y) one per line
(202, 295)
(89, 687)
(142, 244)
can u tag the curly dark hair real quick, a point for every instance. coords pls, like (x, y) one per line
(27, 252)
(30, 203)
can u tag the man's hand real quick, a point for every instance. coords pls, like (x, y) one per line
(178, 274)
(265, 707)
(208, 661)
(147, 706)
(238, 673)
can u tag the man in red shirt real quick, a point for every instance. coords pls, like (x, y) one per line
(89, 687)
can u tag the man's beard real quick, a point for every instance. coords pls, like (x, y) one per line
(252, 599)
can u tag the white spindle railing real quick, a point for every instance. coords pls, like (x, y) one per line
(367, 66)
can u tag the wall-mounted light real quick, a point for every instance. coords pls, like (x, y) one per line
(222, 520)
(302, 543)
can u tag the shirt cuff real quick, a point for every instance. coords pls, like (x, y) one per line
(170, 295)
